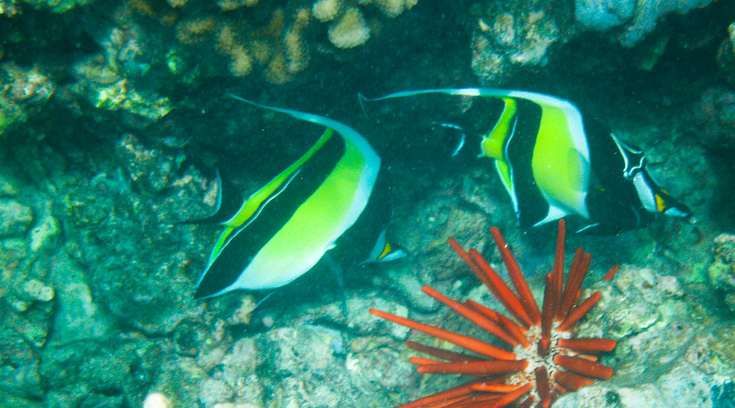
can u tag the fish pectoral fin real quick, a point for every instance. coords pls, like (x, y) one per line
(339, 275)
(455, 132)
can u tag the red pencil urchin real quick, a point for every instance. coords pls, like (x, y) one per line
(545, 359)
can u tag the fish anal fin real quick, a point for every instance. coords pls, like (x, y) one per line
(554, 214)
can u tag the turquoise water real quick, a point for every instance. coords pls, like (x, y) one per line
(114, 124)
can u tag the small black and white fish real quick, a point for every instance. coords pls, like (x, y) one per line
(330, 199)
(554, 164)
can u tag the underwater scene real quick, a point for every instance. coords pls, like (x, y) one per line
(367, 203)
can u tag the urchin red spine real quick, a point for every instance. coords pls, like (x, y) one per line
(544, 360)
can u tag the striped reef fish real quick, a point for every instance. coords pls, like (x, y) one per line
(330, 199)
(553, 164)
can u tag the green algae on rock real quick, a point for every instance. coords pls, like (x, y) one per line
(119, 96)
(56, 6)
(722, 270)
(15, 218)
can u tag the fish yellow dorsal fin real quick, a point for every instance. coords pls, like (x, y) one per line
(493, 143)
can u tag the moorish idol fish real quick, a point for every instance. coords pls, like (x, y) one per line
(330, 199)
(554, 164)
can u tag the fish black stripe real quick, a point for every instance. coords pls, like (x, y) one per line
(281, 187)
(246, 242)
(608, 165)
(532, 206)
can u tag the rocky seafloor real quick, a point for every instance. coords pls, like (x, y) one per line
(113, 120)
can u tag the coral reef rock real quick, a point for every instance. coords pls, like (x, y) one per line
(604, 14)
(666, 347)
(726, 56)
(348, 27)
(512, 36)
(25, 90)
(637, 18)
(722, 271)
(714, 115)
(141, 277)
(56, 6)
(349, 30)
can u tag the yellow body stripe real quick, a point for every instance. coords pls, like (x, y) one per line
(558, 168)
(316, 217)
(494, 142)
(251, 205)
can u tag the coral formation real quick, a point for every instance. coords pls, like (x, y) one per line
(326, 10)
(8, 8)
(510, 37)
(28, 297)
(677, 351)
(714, 115)
(137, 59)
(118, 279)
(637, 17)
(280, 40)
(116, 78)
(57, 6)
(228, 5)
(15, 218)
(648, 12)
(24, 92)
(347, 25)
(545, 361)
(157, 400)
(726, 56)
(349, 30)
(277, 45)
(604, 14)
(722, 271)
